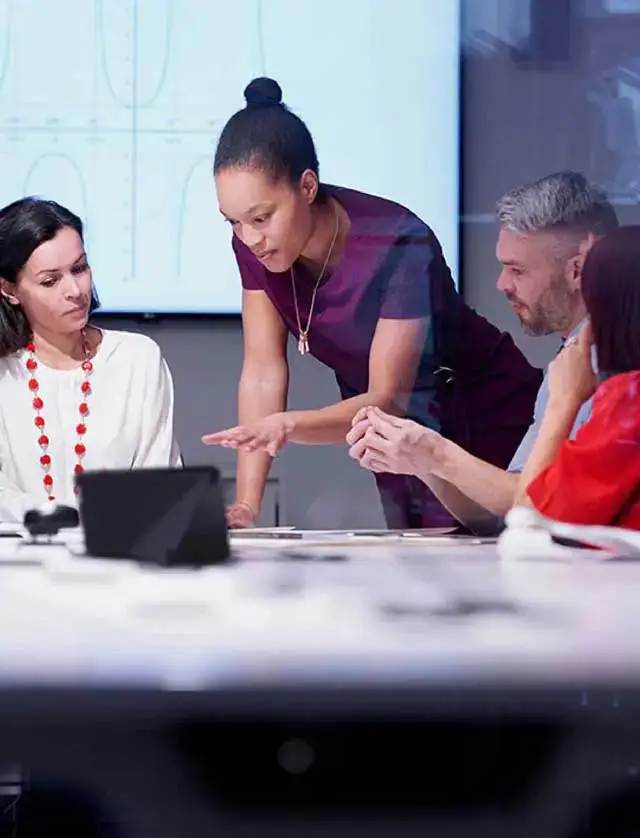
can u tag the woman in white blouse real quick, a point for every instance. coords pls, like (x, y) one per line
(72, 396)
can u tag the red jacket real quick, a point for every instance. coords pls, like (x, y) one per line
(595, 478)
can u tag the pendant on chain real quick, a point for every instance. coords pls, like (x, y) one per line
(303, 343)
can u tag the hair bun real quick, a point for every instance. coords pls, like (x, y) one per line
(263, 93)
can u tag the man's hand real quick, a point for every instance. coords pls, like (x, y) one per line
(384, 443)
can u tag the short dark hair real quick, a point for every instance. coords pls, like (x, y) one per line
(266, 135)
(24, 226)
(611, 291)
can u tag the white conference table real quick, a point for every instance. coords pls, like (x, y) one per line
(352, 610)
(304, 631)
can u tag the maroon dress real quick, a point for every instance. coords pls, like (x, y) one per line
(473, 384)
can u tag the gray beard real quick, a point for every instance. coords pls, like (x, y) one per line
(537, 327)
(551, 314)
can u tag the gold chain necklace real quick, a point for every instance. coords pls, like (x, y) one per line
(303, 334)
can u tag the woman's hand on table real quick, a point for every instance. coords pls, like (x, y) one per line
(240, 516)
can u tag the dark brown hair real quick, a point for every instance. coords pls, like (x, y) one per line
(611, 291)
(266, 135)
(24, 226)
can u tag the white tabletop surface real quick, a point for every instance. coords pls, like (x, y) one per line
(327, 608)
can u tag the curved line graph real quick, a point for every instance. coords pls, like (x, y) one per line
(103, 53)
(181, 209)
(74, 166)
(130, 73)
(148, 101)
(145, 103)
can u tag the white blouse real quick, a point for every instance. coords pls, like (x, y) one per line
(129, 424)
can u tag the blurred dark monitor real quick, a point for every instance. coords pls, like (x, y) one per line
(169, 517)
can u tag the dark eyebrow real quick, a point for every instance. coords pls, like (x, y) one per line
(255, 208)
(82, 256)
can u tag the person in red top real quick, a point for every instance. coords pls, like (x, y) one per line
(595, 478)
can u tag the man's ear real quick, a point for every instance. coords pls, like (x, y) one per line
(575, 265)
(7, 290)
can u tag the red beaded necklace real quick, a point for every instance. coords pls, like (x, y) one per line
(38, 404)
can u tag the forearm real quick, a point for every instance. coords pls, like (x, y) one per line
(482, 484)
(329, 425)
(471, 514)
(259, 395)
(555, 428)
(251, 477)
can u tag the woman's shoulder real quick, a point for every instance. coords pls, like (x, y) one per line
(617, 400)
(622, 386)
(133, 344)
(375, 214)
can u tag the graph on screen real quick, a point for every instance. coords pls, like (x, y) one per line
(113, 108)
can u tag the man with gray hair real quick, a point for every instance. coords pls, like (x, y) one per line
(546, 230)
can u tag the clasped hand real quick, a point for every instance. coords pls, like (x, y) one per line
(381, 442)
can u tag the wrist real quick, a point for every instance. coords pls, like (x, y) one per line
(290, 420)
(567, 406)
(251, 507)
(429, 457)
(444, 458)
